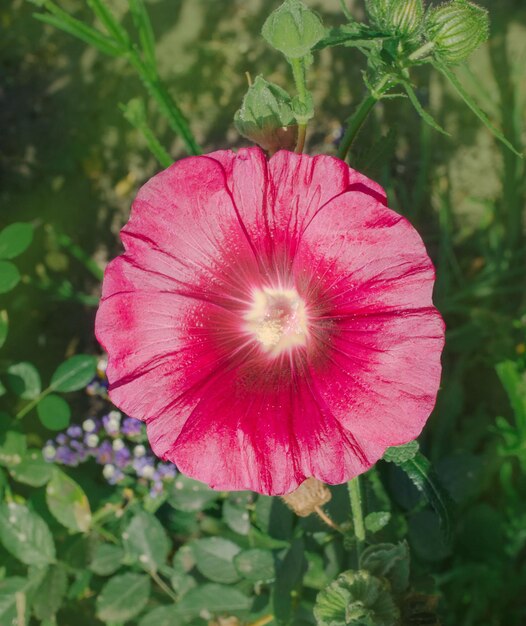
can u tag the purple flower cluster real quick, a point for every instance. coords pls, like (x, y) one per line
(119, 445)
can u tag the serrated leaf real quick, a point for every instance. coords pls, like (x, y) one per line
(67, 502)
(400, 454)
(33, 469)
(4, 326)
(419, 470)
(106, 559)
(213, 598)
(459, 88)
(74, 374)
(214, 558)
(146, 541)
(25, 535)
(389, 561)
(24, 380)
(9, 276)
(255, 565)
(11, 590)
(48, 597)
(54, 412)
(15, 239)
(190, 495)
(123, 597)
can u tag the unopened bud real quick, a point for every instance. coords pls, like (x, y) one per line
(266, 116)
(308, 496)
(457, 29)
(402, 18)
(293, 29)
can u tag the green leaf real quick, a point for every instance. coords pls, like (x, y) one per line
(24, 380)
(374, 522)
(4, 326)
(12, 591)
(74, 374)
(214, 558)
(143, 25)
(78, 29)
(427, 117)
(390, 561)
(15, 239)
(236, 517)
(459, 88)
(9, 276)
(13, 448)
(54, 412)
(255, 565)
(161, 616)
(146, 541)
(419, 470)
(213, 598)
(107, 559)
(288, 578)
(33, 470)
(191, 495)
(356, 598)
(123, 597)
(49, 596)
(67, 502)
(515, 386)
(25, 535)
(400, 454)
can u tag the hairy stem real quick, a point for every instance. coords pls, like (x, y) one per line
(355, 496)
(298, 71)
(358, 118)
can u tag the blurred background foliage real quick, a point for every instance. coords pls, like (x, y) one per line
(70, 163)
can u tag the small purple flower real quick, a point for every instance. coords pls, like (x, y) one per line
(62, 439)
(66, 456)
(131, 427)
(122, 457)
(166, 471)
(104, 454)
(156, 489)
(74, 431)
(144, 467)
(112, 422)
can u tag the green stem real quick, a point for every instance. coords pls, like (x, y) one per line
(355, 496)
(358, 118)
(160, 582)
(31, 405)
(298, 71)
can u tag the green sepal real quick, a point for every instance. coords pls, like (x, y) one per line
(293, 29)
(266, 116)
(400, 18)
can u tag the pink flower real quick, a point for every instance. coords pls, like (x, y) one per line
(270, 320)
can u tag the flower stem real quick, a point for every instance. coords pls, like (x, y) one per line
(323, 516)
(298, 71)
(421, 52)
(358, 118)
(355, 496)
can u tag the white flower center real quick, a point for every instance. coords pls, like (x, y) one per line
(277, 319)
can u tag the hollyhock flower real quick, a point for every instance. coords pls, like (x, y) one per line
(270, 321)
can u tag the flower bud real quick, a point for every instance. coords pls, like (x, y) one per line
(403, 18)
(457, 29)
(293, 29)
(311, 494)
(266, 116)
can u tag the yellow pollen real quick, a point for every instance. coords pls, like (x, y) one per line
(277, 319)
